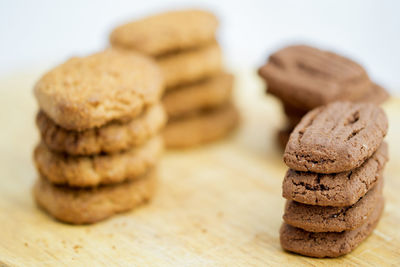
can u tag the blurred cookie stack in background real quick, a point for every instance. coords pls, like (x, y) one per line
(198, 98)
(100, 121)
(336, 156)
(303, 77)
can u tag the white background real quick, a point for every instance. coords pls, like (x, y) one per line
(43, 32)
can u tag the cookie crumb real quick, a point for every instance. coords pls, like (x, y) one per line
(26, 244)
(77, 247)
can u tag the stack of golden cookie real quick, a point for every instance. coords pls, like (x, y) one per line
(198, 98)
(100, 121)
(304, 77)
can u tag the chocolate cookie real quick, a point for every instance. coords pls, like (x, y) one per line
(202, 128)
(331, 244)
(83, 171)
(340, 189)
(332, 219)
(87, 92)
(306, 77)
(167, 32)
(191, 65)
(210, 93)
(375, 94)
(336, 138)
(110, 138)
(89, 205)
(283, 136)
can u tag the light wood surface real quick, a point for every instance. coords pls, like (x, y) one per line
(217, 205)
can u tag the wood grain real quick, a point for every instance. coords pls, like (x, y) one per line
(217, 205)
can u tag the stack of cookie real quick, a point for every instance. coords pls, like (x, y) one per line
(333, 188)
(198, 92)
(100, 121)
(303, 78)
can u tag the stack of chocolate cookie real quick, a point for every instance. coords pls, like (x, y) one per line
(303, 78)
(100, 121)
(198, 92)
(333, 188)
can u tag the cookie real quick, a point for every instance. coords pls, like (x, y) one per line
(84, 171)
(207, 94)
(167, 32)
(283, 136)
(336, 138)
(375, 94)
(191, 66)
(340, 189)
(110, 138)
(202, 128)
(306, 77)
(90, 205)
(88, 92)
(332, 219)
(330, 244)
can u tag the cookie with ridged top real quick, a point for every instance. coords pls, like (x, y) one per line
(337, 189)
(336, 138)
(330, 244)
(314, 218)
(306, 77)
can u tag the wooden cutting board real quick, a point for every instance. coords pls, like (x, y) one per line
(217, 205)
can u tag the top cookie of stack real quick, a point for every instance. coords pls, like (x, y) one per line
(303, 78)
(198, 97)
(336, 157)
(100, 120)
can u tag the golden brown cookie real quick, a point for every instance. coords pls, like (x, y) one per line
(191, 65)
(166, 32)
(110, 138)
(90, 205)
(87, 92)
(83, 171)
(204, 95)
(201, 128)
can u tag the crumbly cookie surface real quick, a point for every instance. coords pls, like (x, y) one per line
(110, 138)
(201, 128)
(87, 92)
(211, 93)
(166, 32)
(189, 66)
(339, 189)
(331, 244)
(307, 77)
(84, 171)
(90, 205)
(314, 218)
(336, 138)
